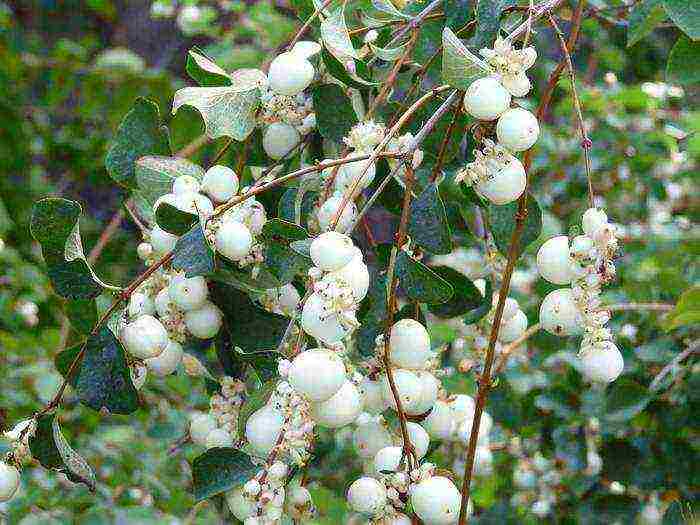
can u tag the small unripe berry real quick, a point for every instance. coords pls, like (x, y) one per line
(513, 328)
(233, 240)
(367, 495)
(592, 220)
(145, 337)
(341, 409)
(9, 481)
(602, 364)
(188, 293)
(355, 274)
(240, 506)
(200, 426)
(290, 73)
(220, 183)
(162, 241)
(185, 184)
(166, 363)
(331, 251)
(517, 129)
(440, 423)
(388, 459)
(330, 208)
(219, 438)
(263, 429)
(436, 501)
(317, 373)
(506, 185)
(320, 324)
(419, 438)
(280, 139)
(559, 314)
(554, 262)
(409, 344)
(144, 250)
(204, 322)
(486, 99)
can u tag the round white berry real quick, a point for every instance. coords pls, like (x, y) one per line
(164, 306)
(409, 344)
(9, 481)
(387, 460)
(280, 139)
(327, 212)
(592, 220)
(341, 409)
(194, 203)
(188, 293)
(144, 250)
(486, 99)
(290, 73)
(398, 519)
(162, 242)
(219, 437)
(141, 304)
(419, 438)
(464, 430)
(349, 174)
(306, 48)
(483, 461)
(462, 407)
(436, 501)
(506, 185)
(554, 262)
(233, 240)
(370, 438)
(331, 251)
(510, 307)
(166, 363)
(559, 314)
(240, 506)
(185, 184)
(220, 183)
(319, 323)
(517, 129)
(367, 495)
(513, 328)
(603, 363)
(145, 337)
(317, 373)
(277, 471)
(299, 496)
(355, 274)
(409, 388)
(205, 321)
(440, 423)
(429, 392)
(201, 425)
(263, 429)
(372, 398)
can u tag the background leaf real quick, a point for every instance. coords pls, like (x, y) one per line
(502, 223)
(686, 15)
(174, 220)
(334, 113)
(428, 226)
(420, 282)
(488, 21)
(466, 298)
(219, 470)
(644, 17)
(684, 62)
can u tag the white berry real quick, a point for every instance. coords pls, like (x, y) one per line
(429, 391)
(419, 438)
(240, 506)
(194, 203)
(517, 129)
(603, 363)
(204, 322)
(348, 176)
(9, 481)
(188, 293)
(219, 437)
(185, 184)
(319, 323)
(233, 240)
(162, 242)
(559, 314)
(513, 328)
(370, 438)
(506, 185)
(372, 398)
(409, 344)
(554, 262)
(387, 460)
(355, 274)
(331, 251)
(166, 363)
(317, 373)
(163, 304)
(440, 423)
(200, 426)
(341, 409)
(409, 388)
(144, 250)
(263, 429)
(367, 495)
(145, 337)
(141, 304)
(280, 139)
(436, 501)
(329, 209)
(290, 73)
(220, 183)
(486, 99)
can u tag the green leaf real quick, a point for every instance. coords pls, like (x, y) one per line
(219, 470)
(231, 274)
(466, 298)
(193, 253)
(50, 448)
(502, 223)
(482, 311)
(335, 36)
(686, 15)
(249, 326)
(335, 115)
(460, 67)
(625, 399)
(372, 315)
(644, 17)
(104, 380)
(457, 12)
(285, 230)
(286, 207)
(82, 314)
(55, 225)
(302, 247)
(65, 358)
(140, 133)
(421, 283)
(304, 9)
(388, 11)
(389, 54)
(257, 399)
(264, 363)
(488, 21)
(174, 220)
(428, 226)
(204, 71)
(155, 175)
(227, 111)
(338, 71)
(687, 310)
(684, 62)
(280, 259)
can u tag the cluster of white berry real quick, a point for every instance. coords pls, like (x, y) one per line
(19, 453)
(286, 111)
(495, 172)
(586, 264)
(219, 426)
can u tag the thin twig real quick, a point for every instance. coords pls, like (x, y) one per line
(193, 147)
(693, 348)
(222, 152)
(445, 142)
(306, 25)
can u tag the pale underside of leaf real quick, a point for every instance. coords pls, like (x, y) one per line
(460, 67)
(74, 250)
(206, 64)
(226, 111)
(389, 53)
(334, 33)
(155, 175)
(74, 461)
(387, 8)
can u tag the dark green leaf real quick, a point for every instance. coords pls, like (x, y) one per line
(481, 311)
(281, 229)
(42, 445)
(457, 12)
(686, 311)
(219, 470)
(428, 225)
(303, 9)
(229, 273)
(684, 62)
(488, 21)
(155, 175)
(193, 253)
(257, 399)
(372, 315)
(139, 134)
(338, 71)
(64, 359)
(686, 15)
(286, 206)
(472, 196)
(204, 71)
(502, 223)
(264, 363)
(421, 283)
(82, 314)
(645, 16)
(335, 115)
(625, 399)
(104, 380)
(174, 220)
(466, 298)
(280, 259)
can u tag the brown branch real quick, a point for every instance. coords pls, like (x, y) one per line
(445, 142)
(306, 25)
(222, 151)
(193, 147)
